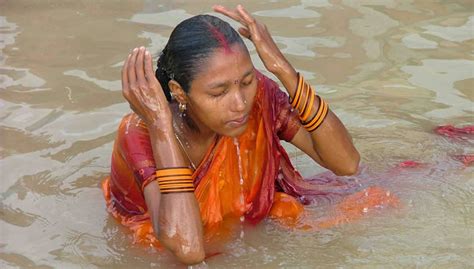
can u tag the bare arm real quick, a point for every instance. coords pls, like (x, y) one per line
(330, 145)
(175, 216)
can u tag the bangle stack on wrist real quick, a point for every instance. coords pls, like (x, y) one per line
(305, 108)
(173, 180)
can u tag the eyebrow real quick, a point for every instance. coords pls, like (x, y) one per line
(224, 83)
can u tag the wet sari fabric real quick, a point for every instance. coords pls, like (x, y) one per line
(243, 176)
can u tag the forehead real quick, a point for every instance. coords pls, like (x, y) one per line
(224, 64)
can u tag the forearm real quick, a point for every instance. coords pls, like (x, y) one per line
(331, 141)
(334, 146)
(175, 216)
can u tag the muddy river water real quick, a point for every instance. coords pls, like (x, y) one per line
(392, 71)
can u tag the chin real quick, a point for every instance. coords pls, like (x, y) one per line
(235, 132)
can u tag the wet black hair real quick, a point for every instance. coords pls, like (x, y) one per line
(189, 45)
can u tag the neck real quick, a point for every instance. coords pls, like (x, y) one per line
(191, 127)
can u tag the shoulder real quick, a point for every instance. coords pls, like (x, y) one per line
(131, 128)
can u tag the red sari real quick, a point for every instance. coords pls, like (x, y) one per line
(264, 166)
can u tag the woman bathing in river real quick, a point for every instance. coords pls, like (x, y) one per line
(203, 145)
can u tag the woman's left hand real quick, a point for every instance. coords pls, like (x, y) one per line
(257, 32)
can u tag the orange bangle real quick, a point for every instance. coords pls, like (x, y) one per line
(320, 121)
(306, 91)
(173, 178)
(174, 171)
(321, 117)
(178, 190)
(177, 179)
(177, 185)
(298, 91)
(315, 117)
(309, 107)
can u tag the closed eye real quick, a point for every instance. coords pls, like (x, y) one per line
(219, 94)
(247, 82)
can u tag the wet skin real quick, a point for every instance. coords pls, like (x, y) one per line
(221, 95)
(218, 102)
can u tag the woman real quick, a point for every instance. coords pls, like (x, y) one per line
(203, 144)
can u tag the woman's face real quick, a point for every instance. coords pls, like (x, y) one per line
(222, 93)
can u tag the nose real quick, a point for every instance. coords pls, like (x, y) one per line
(239, 102)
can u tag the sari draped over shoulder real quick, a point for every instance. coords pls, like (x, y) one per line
(237, 177)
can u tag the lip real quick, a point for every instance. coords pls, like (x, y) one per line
(239, 121)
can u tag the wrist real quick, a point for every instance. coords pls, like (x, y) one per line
(284, 69)
(166, 149)
(288, 77)
(162, 126)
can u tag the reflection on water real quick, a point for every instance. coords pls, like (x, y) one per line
(392, 70)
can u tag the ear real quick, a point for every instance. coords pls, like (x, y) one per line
(177, 91)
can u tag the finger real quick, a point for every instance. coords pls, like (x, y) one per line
(244, 14)
(139, 67)
(229, 13)
(132, 77)
(124, 73)
(250, 21)
(244, 32)
(143, 91)
(149, 73)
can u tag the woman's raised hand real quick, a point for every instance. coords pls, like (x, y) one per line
(143, 91)
(257, 32)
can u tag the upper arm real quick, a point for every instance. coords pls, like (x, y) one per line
(289, 127)
(303, 141)
(134, 144)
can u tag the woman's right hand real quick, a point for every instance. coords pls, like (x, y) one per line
(143, 91)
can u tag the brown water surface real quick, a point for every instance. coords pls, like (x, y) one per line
(392, 71)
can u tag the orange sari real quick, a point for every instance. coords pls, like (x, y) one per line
(249, 176)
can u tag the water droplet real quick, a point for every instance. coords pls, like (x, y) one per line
(127, 126)
(365, 210)
(387, 193)
(241, 181)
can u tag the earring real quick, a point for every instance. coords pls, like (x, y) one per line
(182, 107)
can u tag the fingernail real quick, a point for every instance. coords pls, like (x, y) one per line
(135, 49)
(142, 48)
(147, 53)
